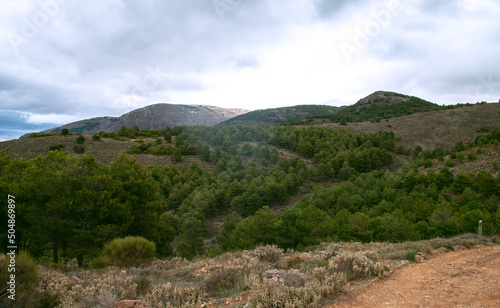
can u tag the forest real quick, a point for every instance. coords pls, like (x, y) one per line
(347, 186)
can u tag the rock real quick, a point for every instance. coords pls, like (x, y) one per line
(131, 304)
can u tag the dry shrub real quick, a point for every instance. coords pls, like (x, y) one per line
(310, 264)
(169, 264)
(65, 292)
(251, 265)
(226, 281)
(294, 278)
(292, 262)
(267, 294)
(69, 265)
(355, 265)
(331, 250)
(268, 253)
(165, 296)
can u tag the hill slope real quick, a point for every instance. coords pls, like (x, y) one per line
(154, 117)
(383, 105)
(281, 115)
(434, 129)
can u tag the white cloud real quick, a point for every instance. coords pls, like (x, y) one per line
(38, 119)
(92, 58)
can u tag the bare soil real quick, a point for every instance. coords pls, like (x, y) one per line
(464, 278)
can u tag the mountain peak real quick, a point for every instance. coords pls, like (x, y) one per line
(156, 116)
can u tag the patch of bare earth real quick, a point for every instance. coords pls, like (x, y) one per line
(464, 278)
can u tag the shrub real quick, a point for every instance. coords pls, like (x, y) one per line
(268, 253)
(142, 285)
(56, 147)
(183, 250)
(359, 264)
(96, 137)
(266, 293)
(471, 157)
(292, 262)
(26, 281)
(163, 296)
(428, 163)
(65, 132)
(130, 251)
(69, 265)
(99, 262)
(410, 256)
(449, 163)
(225, 282)
(80, 139)
(79, 149)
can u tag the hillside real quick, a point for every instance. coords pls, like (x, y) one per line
(154, 117)
(433, 129)
(228, 191)
(383, 105)
(283, 115)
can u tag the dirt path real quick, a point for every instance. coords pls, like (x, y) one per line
(465, 278)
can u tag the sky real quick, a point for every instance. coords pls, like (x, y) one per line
(67, 60)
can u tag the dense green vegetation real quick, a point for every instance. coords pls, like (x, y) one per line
(70, 207)
(281, 115)
(382, 108)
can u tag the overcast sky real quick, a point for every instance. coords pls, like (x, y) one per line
(66, 60)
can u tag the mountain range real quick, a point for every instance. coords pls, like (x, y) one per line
(156, 116)
(159, 116)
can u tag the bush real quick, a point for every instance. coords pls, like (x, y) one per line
(292, 262)
(269, 253)
(449, 163)
(471, 157)
(80, 139)
(359, 264)
(65, 132)
(79, 149)
(96, 137)
(56, 147)
(26, 281)
(165, 295)
(410, 256)
(428, 163)
(99, 262)
(131, 251)
(225, 282)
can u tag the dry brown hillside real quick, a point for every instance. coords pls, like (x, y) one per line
(434, 129)
(103, 151)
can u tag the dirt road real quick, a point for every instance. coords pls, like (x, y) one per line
(465, 278)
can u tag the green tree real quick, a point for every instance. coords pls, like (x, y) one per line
(224, 238)
(192, 232)
(258, 229)
(80, 139)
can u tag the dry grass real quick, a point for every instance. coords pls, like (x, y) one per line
(103, 151)
(486, 156)
(435, 129)
(264, 277)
